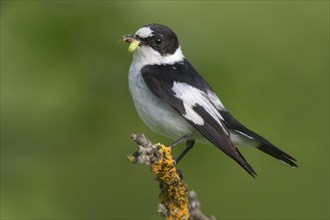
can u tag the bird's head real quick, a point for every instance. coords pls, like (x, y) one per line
(155, 42)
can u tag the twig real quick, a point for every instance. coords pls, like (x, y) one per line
(195, 208)
(173, 196)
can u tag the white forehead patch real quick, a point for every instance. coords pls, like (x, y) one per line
(145, 32)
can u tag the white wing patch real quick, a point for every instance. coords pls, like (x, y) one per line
(192, 115)
(215, 100)
(144, 32)
(192, 96)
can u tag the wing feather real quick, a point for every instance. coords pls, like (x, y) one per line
(214, 133)
(160, 80)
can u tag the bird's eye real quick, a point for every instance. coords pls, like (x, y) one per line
(158, 41)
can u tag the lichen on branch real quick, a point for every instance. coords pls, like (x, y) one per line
(173, 195)
(174, 203)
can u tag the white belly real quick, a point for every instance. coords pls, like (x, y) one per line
(156, 114)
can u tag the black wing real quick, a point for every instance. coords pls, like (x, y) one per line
(265, 146)
(160, 80)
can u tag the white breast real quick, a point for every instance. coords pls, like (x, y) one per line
(156, 114)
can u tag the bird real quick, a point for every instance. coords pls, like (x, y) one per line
(174, 100)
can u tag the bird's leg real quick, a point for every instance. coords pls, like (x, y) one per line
(189, 146)
(180, 140)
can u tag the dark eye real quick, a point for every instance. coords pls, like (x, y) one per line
(158, 41)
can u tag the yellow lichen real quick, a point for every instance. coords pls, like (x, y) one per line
(173, 190)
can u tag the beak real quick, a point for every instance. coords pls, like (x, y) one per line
(134, 42)
(130, 38)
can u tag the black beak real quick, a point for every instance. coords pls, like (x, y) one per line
(130, 38)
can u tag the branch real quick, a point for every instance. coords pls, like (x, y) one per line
(195, 208)
(173, 191)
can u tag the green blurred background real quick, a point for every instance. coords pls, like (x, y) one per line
(67, 113)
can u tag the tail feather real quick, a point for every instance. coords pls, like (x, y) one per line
(277, 153)
(264, 145)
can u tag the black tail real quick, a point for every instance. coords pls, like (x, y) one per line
(277, 153)
(264, 145)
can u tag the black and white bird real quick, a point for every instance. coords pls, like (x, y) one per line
(174, 100)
